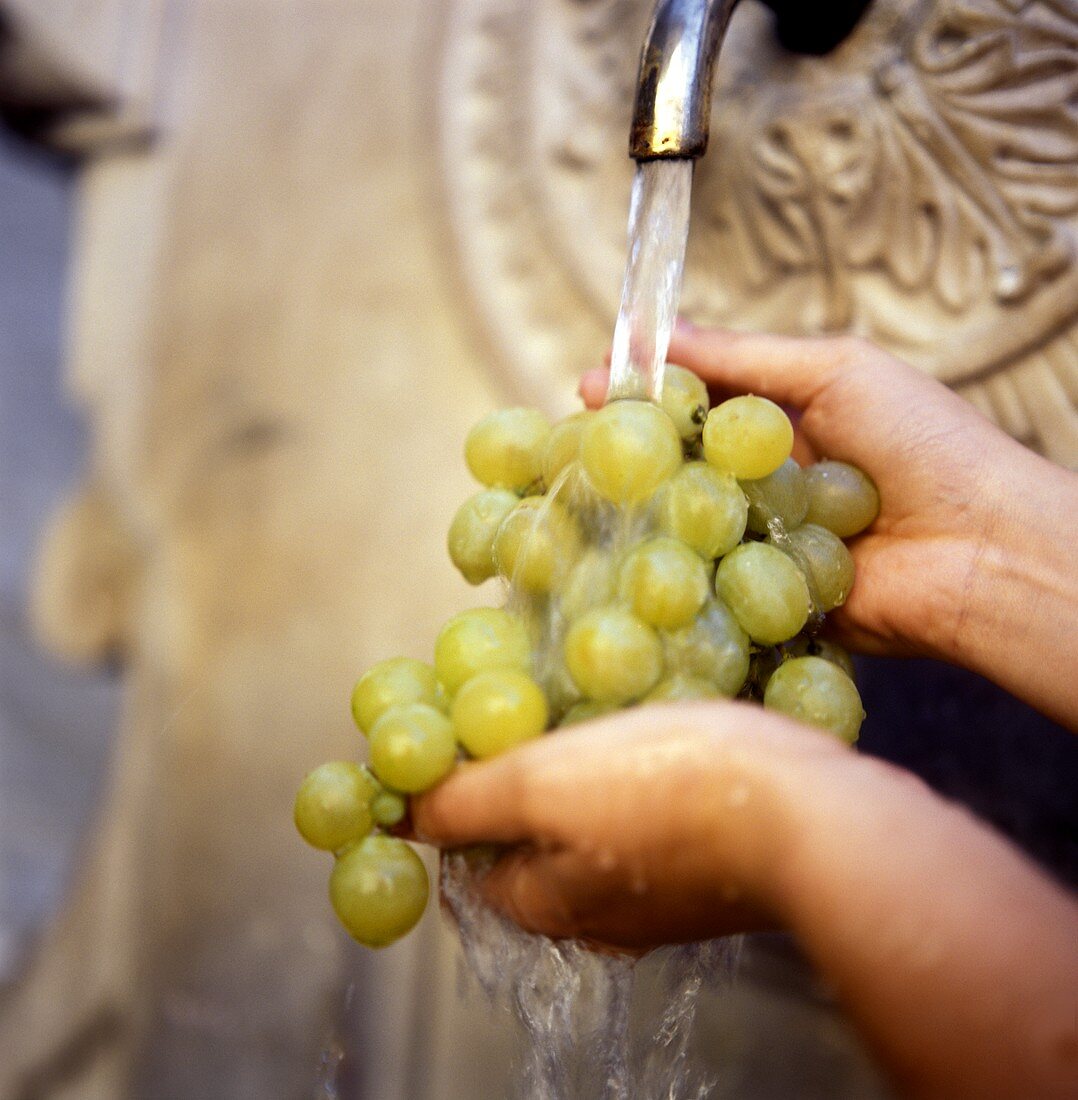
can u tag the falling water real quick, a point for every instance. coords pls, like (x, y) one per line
(582, 1039)
(658, 232)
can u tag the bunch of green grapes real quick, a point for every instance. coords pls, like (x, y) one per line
(651, 552)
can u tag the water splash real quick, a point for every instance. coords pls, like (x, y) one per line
(658, 233)
(574, 1005)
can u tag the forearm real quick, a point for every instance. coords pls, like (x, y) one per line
(1019, 624)
(953, 955)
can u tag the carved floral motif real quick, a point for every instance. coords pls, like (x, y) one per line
(918, 186)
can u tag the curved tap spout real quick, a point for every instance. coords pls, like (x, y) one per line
(673, 88)
(672, 111)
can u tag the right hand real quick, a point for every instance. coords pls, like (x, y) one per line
(969, 559)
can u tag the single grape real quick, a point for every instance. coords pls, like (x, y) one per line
(333, 806)
(681, 689)
(585, 711)
(704, 508)
(389, 808)
(713, 648)
(685, 401)
(781, 496)
(592, 581)
(536, 544)
(412, 747)
(612, 656)
(476, 640)
(496, 710)
(471, 534)
(818, 692)
(563, 445)
(664, 582)
(628, 449)
(841, 498)
(505, 449)
(749, 437)
(391, 683)
(379, 889)
(765, 590)
(824, 560)
(802, 646)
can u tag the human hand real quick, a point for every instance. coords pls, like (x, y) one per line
(677, 822)
(970, 559)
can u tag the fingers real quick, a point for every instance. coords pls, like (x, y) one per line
(478, 802)
(786, 369)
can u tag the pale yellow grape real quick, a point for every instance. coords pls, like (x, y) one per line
(496, 710)
(818, 692)
(563, 445)
(390, 683)
(471, 534)
(505, 449)
(713, 648)
(679, 688)
(412, 747)
(379, 889)
(821, 647)
(536, 544)
(388, 808)
(685, 401)
(825, 560)
(841, 498)
(781, 496)
(332, 806)
(749, 437)
(591, 582)
(585, 711)
(476, 640)
(664, 581)
(704, 508)
(765, 590)
(628, 449)
(612, 656)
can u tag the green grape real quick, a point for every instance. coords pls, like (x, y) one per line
(713, 648)
(664, 581)
(391, 683)
(685, 401)
(818, 692)
(476, 640)
(389, 808)
(412, 747)
(674, 689)
(333, 806)
(802, 646)
(765, 590)
(585, 711)
(496, 710)
(536, 544)
(749, 437)
(563, 445)
(841, 498)
(471, 534)
(379, 889)
(780, 496)
(505, 449)
(592, 581)
(824, 559)
(628, 449)
(703, 508)
(612, 656)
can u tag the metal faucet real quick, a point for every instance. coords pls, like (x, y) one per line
(672, 110)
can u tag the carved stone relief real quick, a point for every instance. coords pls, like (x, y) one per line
(918, 186)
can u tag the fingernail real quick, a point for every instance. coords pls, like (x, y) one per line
(684, 326)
